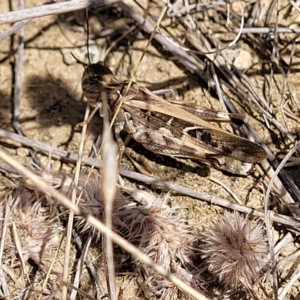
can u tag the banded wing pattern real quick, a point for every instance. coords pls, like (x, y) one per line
(169, 128)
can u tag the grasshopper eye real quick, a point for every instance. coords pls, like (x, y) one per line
(98, 70)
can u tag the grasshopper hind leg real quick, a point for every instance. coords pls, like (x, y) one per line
(121, 146)
(231, 165)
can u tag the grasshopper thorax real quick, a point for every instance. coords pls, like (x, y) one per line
(95, 78)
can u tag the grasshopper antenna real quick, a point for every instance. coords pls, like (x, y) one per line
(87, 43)
(87, 35)
(79, 61)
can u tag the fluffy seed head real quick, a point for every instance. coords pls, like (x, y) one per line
(235, 249)
(91, 203)
(163, 233)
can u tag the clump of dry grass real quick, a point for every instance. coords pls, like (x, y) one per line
(33, 227)
(31, 236)
(160, 231)
(91, 203)
(235, 249)
(163, 233)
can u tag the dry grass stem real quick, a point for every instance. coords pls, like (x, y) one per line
(71, 215)
(109, 178)
(50, 9)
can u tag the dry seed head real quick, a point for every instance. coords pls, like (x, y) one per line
(37, 234)
(162, 232)
(165, 236)
(235, 248)
(91, 203)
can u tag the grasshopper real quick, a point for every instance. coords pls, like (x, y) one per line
(169, 128)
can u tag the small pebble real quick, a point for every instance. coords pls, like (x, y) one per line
(288, 249)
(22, 152)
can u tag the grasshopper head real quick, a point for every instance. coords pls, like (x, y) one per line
(95, 79)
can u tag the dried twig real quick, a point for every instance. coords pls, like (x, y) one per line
(18, 77)
(4, 287)
(79, 269)
(51, 9)
(11, 30)
(109, 181)
(71, 215)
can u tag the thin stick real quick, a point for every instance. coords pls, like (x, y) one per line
(226, 188)
(18, 243)
(79, 268)
(108, 183)
(268, 221)
(46, 279)
(71, 214)
(265, 30)
(90, 266)
(11, 30)
(3, 282)
(18, 77)
(51, 9)
(290, 284)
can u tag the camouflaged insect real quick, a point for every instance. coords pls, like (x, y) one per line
(169, 128)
